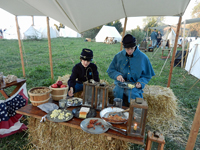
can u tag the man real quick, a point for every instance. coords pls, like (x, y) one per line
(83, 71)
(153, 38)
(130, 65)
(159, 38)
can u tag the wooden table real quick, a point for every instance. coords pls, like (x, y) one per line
(35, 112)
(17, 83)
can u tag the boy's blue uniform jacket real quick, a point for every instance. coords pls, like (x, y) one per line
(133, 69)
(83, 74)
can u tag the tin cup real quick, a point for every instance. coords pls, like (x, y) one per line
(117, 102)
(62, 103)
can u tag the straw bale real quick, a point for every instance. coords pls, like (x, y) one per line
(50, 135)
(163, 112)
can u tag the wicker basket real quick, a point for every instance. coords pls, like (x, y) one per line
(59, 93)
(38, 99)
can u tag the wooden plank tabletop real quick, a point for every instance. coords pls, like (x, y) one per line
(3, 85)
(34, 111)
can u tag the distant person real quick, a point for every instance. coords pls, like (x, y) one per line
(190, 40)
(196, 37)
(159, 38)
(153, 38)
(1, 34)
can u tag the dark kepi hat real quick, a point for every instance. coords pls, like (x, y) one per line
(128, 41)
(86, 54)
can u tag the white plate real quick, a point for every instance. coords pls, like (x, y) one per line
(113, 109)
(98, 129)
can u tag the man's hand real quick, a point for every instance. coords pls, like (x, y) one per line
(71, 92)
(138, 85)
(120, 78)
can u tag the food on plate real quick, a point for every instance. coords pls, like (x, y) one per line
(115, 118)
(131, 86)
(90, 125)
(99, 123)
(61, 115)
(83, 112)
(93, 121)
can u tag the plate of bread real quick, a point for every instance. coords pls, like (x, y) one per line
(84, 112)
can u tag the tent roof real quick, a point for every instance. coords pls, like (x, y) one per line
(194, 20)
(94, 13)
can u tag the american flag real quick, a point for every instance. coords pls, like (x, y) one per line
(9, 119)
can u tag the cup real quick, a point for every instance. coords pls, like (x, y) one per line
(117, 102)
(62, 103)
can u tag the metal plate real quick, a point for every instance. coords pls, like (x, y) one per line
(125, 84)
(74, 101)
(60, 120)
(90, 114)
(105, 113)
(98, 129)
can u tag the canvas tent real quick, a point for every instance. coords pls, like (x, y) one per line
(32, 33)
(108, 31)
(11, 33)
(193, 59)
(67, 32)
(53, 32)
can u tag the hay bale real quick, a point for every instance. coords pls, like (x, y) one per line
(163, 112)
(50, 135)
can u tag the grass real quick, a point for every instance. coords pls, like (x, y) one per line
(66, 52)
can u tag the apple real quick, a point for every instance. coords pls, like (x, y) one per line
(59, 83)
(63, 86)
(54, 86)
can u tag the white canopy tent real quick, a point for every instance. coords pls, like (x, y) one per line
(67, 32)
(108, 31)
(194, 20)
(53, 32)
(11, 33)
(193, 59)
(94, 13)
(32, 33)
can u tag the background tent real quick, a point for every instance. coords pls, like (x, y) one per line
(108, 31)
(11, 33)
(32, 33)
(193, 59)
(67, 32)
(53, 32)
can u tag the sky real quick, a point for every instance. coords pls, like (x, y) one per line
(7, 20)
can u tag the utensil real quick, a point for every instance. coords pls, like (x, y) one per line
(122, 131)
(119, 113)
(113, 109)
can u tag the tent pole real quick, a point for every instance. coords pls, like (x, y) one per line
(20, 46)
(194, 129)
(32, 21)
(174, 52)
(49, 44)
(124, 30)
(183, 45)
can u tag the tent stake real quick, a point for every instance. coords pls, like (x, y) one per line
(194, 129)
(124, 30)
(174, 52)
(20, 46)
(49, 44)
